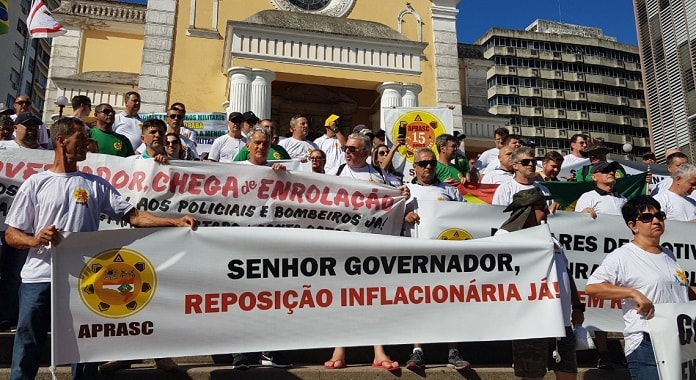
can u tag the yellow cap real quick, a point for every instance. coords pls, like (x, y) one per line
(330, 120)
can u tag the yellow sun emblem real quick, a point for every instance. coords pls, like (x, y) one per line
(81, 196)
(117, 145)
(681, 276)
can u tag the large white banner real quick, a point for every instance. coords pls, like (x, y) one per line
(586, 242)
(673, 336)
(143, 293)
(420, 127)
(219, 194)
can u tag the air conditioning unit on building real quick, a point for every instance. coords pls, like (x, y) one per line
(534, 52)
(513, 109)
(540, 152)
(511, 50)
(535, 72)
(626, 120)
(538, 131)
(578, 57)
(536, 91)
(513, 89)
(561, 113)
(516, 130)
(558, 74)
(537, 110)
(512, 69)
(562, 133)
(559, 92)
(581, 76)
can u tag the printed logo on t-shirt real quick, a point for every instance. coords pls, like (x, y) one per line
(81, 196)
(276, 155)
(118, 145)
(680, 276)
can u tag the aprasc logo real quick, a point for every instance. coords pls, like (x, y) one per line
(117, 283)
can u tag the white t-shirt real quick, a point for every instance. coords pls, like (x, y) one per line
(664, 185)
(658, 276)
(497, 176)
(503, 194)
(9, 144)
(437, 192)
(297, 148)
(601, 204)
(131, 127)
(225, 147)
(366, 173)
(332, 148)
(677, 207)
(190, 147)
(70, 201)
(486, 157)
(571, 159)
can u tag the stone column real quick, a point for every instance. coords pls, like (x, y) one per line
(240, 88)
(391, 94)
(409, 94)
(260, 97)
(447, 63)
(65, 53)
(158, 43)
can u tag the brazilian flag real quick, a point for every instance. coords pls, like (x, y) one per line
(567, 193)
(4, 17)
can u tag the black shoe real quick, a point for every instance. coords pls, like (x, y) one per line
(240, 362)
(604, 362)
(416, 362)
(268, 359)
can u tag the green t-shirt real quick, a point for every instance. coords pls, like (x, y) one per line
(114, 144)
(448, 173)
(276, 152)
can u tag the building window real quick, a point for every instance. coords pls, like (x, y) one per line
(18, 51)
(22, 28)
(14, 79)
(25, 5)
(27, 89)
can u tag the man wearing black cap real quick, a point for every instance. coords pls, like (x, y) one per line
(250, 120)
(649, 158)
(227, 146)
(23, 105)
(26, 128)
(603, 199)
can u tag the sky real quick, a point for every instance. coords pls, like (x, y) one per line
(475, 17)
(614, 17)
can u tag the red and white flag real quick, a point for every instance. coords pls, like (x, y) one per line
(41, 22)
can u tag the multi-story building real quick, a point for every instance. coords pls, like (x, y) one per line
(554, 80)
(667, 42)
(25, 66)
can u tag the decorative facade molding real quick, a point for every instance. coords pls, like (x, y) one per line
(114, 12)
(419, 21)
(335, 8)
(269, 43)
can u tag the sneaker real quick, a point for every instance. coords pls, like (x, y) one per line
(240, 361)
(604, 362)
(416, 362)
(275, 361)
(456, 362)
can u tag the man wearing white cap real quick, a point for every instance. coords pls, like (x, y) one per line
(331, 143)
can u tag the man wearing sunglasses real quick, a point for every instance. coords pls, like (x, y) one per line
(428, 188)
(22, 105)
(175, 123)
(109, 142)
(639, 274)
(676, 201)
(524, 164)
(603, 199)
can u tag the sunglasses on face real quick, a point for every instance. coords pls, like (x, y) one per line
(107, 112)
(647, 217)
(316, 158)
(382, 152)
(172, 142)
(176, 116)
(23, 102)
(425, 163)
(527, 161)
(349, 149)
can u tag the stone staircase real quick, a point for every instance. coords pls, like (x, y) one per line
(490, 360)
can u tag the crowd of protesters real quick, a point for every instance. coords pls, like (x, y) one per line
(361, 154)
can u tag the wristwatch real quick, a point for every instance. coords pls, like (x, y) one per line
(336, 130)
(579, 307)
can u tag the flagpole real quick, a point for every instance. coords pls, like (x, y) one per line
(22, 70)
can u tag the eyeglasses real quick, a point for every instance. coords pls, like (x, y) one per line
(23, 102)
(527, 161)
(172, 142)
(647, 217)
(350, 149)
(107, 112)
(316, 158)
(176, 116)
(425, 163)
(382, 152)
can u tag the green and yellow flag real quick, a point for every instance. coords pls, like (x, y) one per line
(4, 17)
(567, 193)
